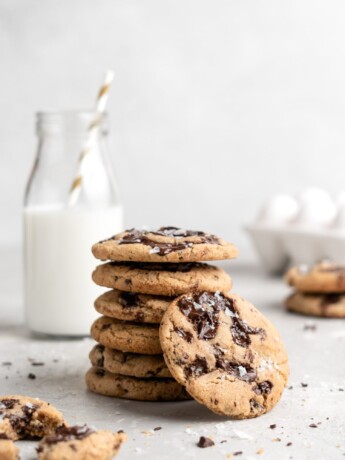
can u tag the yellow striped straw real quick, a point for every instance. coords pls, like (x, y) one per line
(93, 128)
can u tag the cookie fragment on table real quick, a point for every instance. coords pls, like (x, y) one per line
(8, 450)
(22, 417)
(80, 443)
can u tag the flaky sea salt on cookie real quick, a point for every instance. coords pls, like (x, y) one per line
(80, 443)
(226, 353)
(167, 244)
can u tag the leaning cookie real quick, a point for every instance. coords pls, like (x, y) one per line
(226, 353)
(167, 244)
(321, 277)
(130, 306)
(326, 305)
(22, 417)
(8, 450)
(132, 364)
(80, 443)
(161, 279)
(122, 386)
(126, 336)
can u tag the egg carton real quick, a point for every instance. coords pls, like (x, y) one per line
(302, 230)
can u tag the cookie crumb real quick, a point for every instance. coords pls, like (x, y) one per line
(36, 363)
(157, 428)
(205, 442)
(224, 440)
(304, 385)
(260, 451)
(276, 439)
(6, 363)
(289, 444)
(273, 426)
(239, 452)
(310, 327)
(313, 425)
(31, 376)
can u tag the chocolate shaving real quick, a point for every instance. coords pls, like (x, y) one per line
(205, 442)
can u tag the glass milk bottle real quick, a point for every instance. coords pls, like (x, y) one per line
(59, 292)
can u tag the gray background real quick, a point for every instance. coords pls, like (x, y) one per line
(215, 106)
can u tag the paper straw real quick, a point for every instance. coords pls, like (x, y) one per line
(93, 128)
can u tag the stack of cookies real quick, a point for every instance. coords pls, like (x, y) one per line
(319, 290)
(146, 271)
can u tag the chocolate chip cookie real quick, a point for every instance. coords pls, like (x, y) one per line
(80, 443)
(226, 353)
(167, 279)
(167, 244)
(8, 450)
(132, 364)
(130, 306)
(321, 277)
(326, 305)
(126, 336)
(122, 386)
(23, 417)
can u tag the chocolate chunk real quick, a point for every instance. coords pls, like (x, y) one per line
(263, 388)
(4, 436)
(205, 442)
(157, 428)
(31, 376)
(313, 425)
(239, 452)
(202, 310)
(129, 299)
(8, 403)
(187, 336)
(71, 433)
(35, 363)
(304, 385)
(289, 444)
(197, 367)
(241, 371)
(273, 426)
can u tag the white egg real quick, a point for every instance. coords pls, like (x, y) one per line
(280, 209)
(316, 208)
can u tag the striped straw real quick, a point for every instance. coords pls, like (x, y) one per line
(93, 128)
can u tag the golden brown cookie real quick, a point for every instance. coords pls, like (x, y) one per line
(126, 336)
(23, 417)
(161, 279)
(226, 353)
(132, 364)
(80, 443)
(122, 386)
(326, 305)
(130, 306)
(167, 244)
(321, 277)
(8, 450)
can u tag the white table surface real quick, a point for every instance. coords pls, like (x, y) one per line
(316, 359)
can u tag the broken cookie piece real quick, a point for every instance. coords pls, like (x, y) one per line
(8, 450)
(80, 443)
(22, 417)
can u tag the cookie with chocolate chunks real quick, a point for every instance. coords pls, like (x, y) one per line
(126, 336)
(122, 386)
(22, 417)
(319, 278)
(326, 305)
(130, 306)
(8, 450)
(80, 443)
(166, 244)
(132, 364)
(167, 279)
(226, 353)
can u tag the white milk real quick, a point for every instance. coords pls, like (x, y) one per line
(58, 263)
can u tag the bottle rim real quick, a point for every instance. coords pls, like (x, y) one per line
(54, 121)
